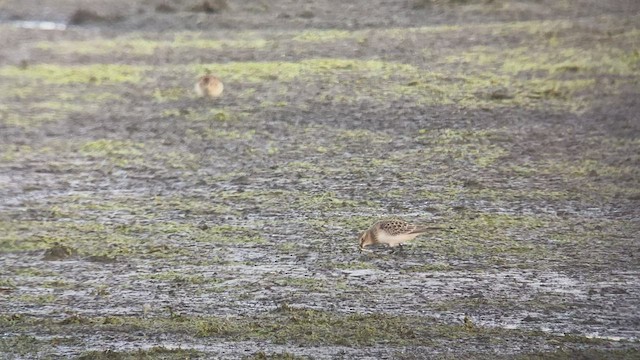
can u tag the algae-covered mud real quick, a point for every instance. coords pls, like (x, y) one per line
(139, 221)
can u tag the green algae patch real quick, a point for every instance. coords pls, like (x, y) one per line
(531, 27)
(88, 207)
(324, 201)
(539, 28)
(292, 326)
(119, 151)
(363, 137)
(54, 106)
(546, 76)
(189, 41)
(314, 36)
(22, 345)
(478, 148)
(327, 201)
(43, 299)
(526, 241)
(156, 352)
(16, 236)
(261, 355)
(571, 354)
(127, 154)
(42, 112)
(180, 278)
(256, 72)
(76, 74)
(352, 265)
(289, 200)
(586, 168)
(141, 46)
(496, 193)
(106, 147)
(61, 104)
(170, 94)
(228, 234)
(550, 61)
(601, 232)
(306, 326)
(27, 121)
(213, 134)
(77, 221)
(68, 235)
(213, 115)
(304, 283)
(596, 175)
(101, 46)
(428, 268)
(492, 236)
(88, 238)
(532, 75)
(488, 90)
(596, 60)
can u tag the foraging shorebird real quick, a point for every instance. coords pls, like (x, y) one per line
(209, 86)
(392, 232)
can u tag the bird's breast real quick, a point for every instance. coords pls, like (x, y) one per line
(393, 240)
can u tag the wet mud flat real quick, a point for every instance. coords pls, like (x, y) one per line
(138, 221)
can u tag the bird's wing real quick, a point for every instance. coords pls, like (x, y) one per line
(395, 226)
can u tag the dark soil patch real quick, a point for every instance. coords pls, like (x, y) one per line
(58, 252)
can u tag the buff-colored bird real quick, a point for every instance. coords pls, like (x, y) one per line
(209, 86)
(392, 232)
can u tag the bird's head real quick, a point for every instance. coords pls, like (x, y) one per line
(365, 240)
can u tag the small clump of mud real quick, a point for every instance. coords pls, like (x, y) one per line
(165, 8)
(58, 252)
(83, 17)
(210, 7)
(104, 259)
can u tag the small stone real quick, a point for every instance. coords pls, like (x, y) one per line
(58, 252)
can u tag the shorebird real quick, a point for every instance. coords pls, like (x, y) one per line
(392, 232)
(209, 86)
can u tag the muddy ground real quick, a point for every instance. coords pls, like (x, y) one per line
(138, 221)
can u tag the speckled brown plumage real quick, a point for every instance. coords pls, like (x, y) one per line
(396, 226)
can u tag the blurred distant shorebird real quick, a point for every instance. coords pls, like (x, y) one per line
(393, 232)
(209, 86)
